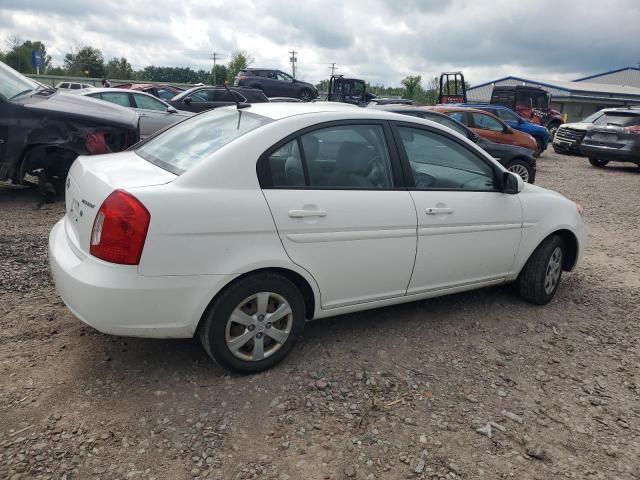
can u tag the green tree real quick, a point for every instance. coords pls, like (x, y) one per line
(411, 85)
(220, 72)
(239, 60)
(118, 68)
(20, 53)
(84, 61)
(56, 70)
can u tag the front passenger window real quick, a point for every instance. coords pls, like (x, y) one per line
(486, 122)
(439, 163)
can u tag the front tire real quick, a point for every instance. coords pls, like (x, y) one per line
(523, 169)
(596, 162)
(540, 277)
(254, 323)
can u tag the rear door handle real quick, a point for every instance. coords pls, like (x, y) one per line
(438, 210)
(307, 213)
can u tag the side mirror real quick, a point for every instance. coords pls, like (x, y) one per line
(507, 130)
(474, 137)
(171, 109)
(187, 100)
(512, 183)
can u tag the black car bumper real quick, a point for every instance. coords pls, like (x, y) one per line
(567, 147)
(628, 153)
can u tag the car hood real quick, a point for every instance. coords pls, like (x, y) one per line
(81, 107)
(577, 125)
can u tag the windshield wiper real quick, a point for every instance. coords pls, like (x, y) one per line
(21, 93)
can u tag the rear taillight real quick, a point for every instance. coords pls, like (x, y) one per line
(633, 129)
(96, 143)
(120, 229)
(242, 77)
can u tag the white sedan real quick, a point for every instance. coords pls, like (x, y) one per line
(155, 114)
(238, 225)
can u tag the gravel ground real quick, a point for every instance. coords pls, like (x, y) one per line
(472, 386)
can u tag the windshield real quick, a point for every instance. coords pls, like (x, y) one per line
(188, 143)
(618, 118)
(13, 84)
(593, 117)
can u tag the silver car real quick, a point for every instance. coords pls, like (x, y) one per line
(154, 113)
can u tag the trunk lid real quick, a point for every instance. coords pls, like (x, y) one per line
(92, 179)
(609, 136)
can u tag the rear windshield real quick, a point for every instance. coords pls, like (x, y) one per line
(622, 119)
(191, 141)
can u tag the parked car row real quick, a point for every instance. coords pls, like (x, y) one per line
(515, 159)
(609, 135)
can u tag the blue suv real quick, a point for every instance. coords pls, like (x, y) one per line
(511, 118)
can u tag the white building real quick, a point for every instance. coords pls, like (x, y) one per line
(579, 98)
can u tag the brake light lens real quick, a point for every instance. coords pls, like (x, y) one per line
(242, 77)
(633, 129)
(96, 143)
(120, 229)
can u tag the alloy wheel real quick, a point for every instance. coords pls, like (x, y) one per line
(259, 326)
(520, 170)
(554, 267)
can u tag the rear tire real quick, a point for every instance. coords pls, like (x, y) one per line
(305, 95)
(236, 330)
(540, 277)
(597, 162)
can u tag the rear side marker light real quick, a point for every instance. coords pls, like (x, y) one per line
(120, 229)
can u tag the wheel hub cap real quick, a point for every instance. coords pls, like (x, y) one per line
(248, 336)
(554, 268)
(520, 170)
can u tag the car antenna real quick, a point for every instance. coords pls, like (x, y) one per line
(239, 105)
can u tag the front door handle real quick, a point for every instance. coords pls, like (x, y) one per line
(307, 213)
(438, 210)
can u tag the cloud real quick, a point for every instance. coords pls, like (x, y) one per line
(381, 41)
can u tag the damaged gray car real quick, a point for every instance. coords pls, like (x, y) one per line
(42, 130)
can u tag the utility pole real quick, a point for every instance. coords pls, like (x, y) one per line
(215, 56)
(333, 68)
(293, 61)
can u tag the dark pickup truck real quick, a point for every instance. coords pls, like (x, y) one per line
(42, 130)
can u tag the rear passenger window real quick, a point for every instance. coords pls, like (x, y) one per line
(341, 157)
(286, 166)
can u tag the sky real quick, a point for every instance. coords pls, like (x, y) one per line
(381, 41)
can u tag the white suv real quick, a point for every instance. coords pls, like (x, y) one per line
(238, 225)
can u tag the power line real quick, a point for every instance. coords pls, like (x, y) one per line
(293, 60)
(333, 68)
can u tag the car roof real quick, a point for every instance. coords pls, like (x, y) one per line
(86, 91)
(280, 110)
(445, 108)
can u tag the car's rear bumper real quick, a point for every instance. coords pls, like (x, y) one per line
(628, 153)
(117, 300)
